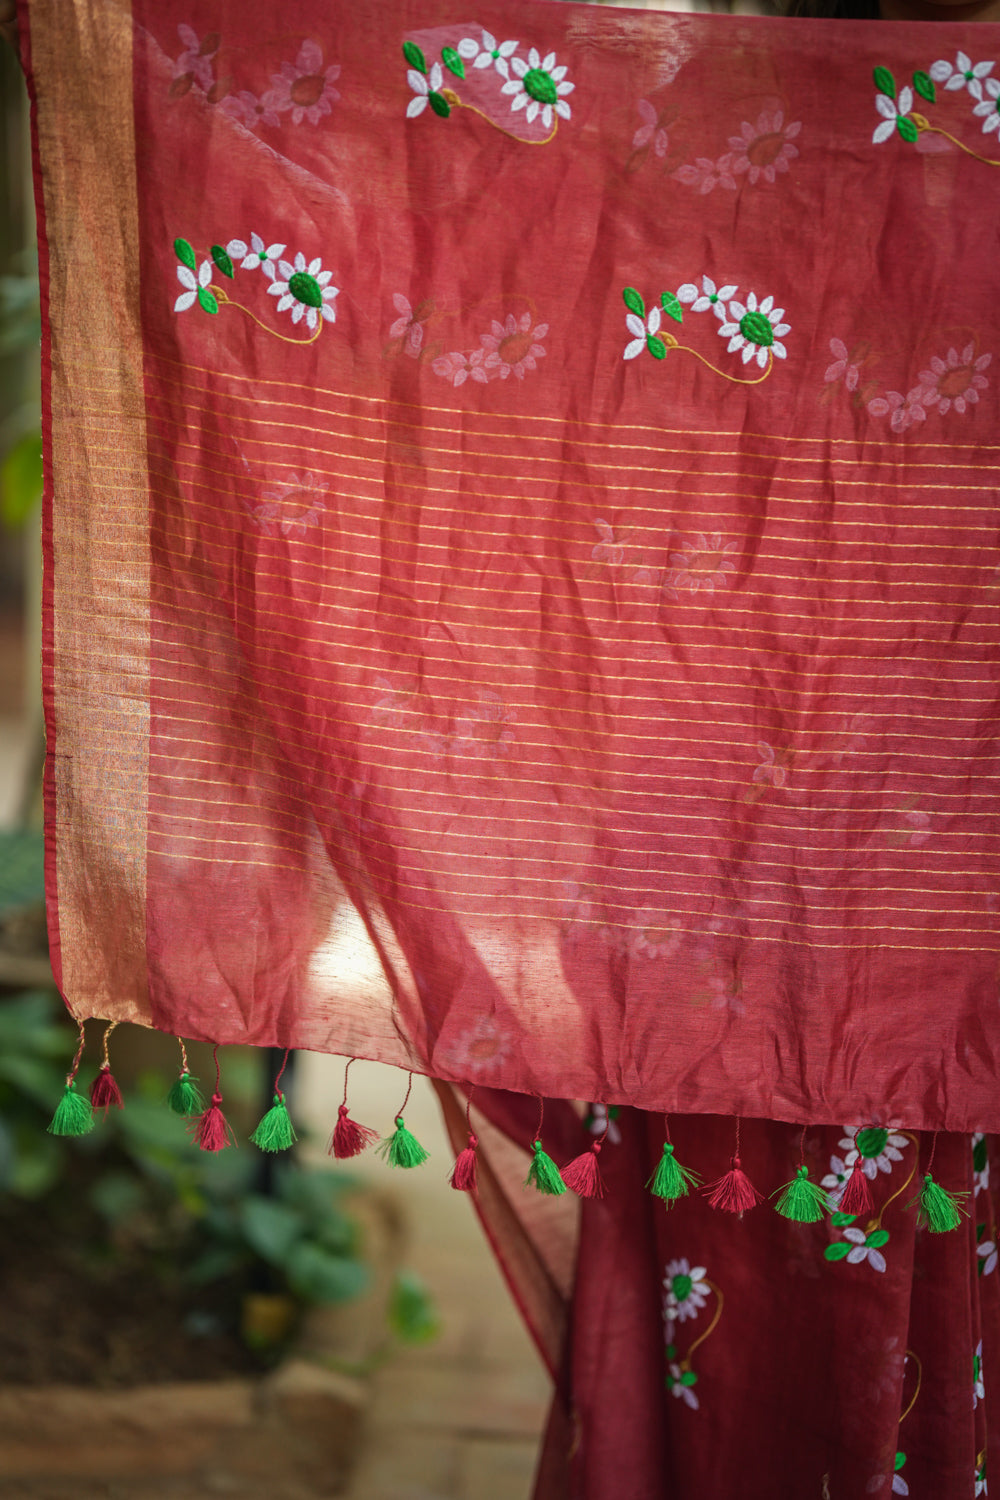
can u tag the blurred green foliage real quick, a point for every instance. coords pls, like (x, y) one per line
(20, 432)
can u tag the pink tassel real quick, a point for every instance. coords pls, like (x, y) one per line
(734, 1193)
(349, 1138)
(583, 1174)
(212, 1130)
(463, 1174)
(104, 1091)
(857, 1197)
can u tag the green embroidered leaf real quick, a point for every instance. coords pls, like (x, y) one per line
(672, 307)
(980, 1228)
(877, 1239)
(222, 260)
(837, 1251)
(440, 105)
(414, 56)
(184, 253)
(900, 1461)
(924, 85)
(885, 83)
(689, 1378)
(906, 128)
(671, 1351)
(634, 302)
(656, 347)
(842, 1220)
(207, 301)
(453, 62)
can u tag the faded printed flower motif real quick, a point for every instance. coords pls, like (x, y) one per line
(954, 381)
(485, 728)
(844, 367)
(904, 410)
(608, 550)
(706, 175)
(458, 367)
(195, 63)
(250, 111)
(725, 993)
(479, 1050)
(704, 563)
(919, 825)
(771, 771)
(305, 87)
(656, 936)
(389, 709)
(408, 326)
(513, 346)
(650, 132)
(292, 507)
(765, 149)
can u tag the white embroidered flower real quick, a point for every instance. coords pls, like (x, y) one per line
(978, 1389)
(681, 1383)
(256, 254)
(422, 88)
(187, 279)
(489, 50)
(540, 88)
(981, 1479)
(892, 111)
(602, 1125)
(987, 1253)
(835, 1181)
(877, 1148)
(306, 290)
(686, 1291)
(963, 75)
(640, 330)
(899, 1485)
(861, 1251)
(710, 296)
(989, 110)
(980, 1164)
(756, 329)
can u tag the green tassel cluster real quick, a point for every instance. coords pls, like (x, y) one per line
(401, 1149)
(74, 1115)
(275, 1131)
(939, 1211)
(186, 1098)
(802, 1201)
(543, 1173)
(671, 1181)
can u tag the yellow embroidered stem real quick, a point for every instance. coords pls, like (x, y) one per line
(923, 124)
(672, 343)
(685, 1363)
(225, 301)
(877, 1222)
(457, 103)
(920, 1375)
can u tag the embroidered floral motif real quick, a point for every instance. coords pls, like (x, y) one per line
(980, 1164)
(256, 254)
(710, 296)
(488, 52)
(899, 116)
(895, 116)
(409, 326)
(857, 1246)
(512, 347)
(539, 87)
(686, 1291)
(305, 291)
(681, 1382)
(987, 1253)
(705, 563)
(962, 75)
(600, 1121)
(427, 90)
(292, 506)
(980, 1475)
(650, 132)
(835, 1181)
(305, 87)
(756, 330)
(898, 1486)
(877, 1147)
(196, 290)
(955, 380)
(978, 1389)
(989, 110)
(765, 149)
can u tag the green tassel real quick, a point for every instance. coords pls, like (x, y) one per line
(543, 1173)
(801, 1200)
(74, 1115)
(671, 1181)
(939, 1210)
(185, 1098)
(401, 1149)
(275, 1131)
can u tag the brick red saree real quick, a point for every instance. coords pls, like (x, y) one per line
(522, 586)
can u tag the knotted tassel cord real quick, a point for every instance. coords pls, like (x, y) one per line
(583, 1174)
(401, 1149)
(463, 1173)
(275, 1131)
(670, 1181)
(104, 1091)
(733, 1193)
(212, 1131)
(349, 1138)
(185, 1097)
(74, 1115)
(938, 1210)
(801, 1200)
(543, 1173)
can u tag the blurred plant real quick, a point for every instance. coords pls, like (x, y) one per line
(20, 432)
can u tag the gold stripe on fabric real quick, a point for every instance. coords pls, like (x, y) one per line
(98, 686)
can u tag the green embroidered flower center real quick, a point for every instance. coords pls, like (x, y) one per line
(968, 76)
(305, 288)
(681, 1287)
(540, 86)
(756, 329)
(495, 53)
(871, 1142)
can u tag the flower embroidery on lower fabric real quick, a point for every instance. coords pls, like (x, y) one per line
(686, 1291)
(878, 1148)
(700, 563)
(978, 1388)
(524, 96)
(754, 328)
(980, 1475)
(601, 1121)
(858, 1247)
(898, 1486)
(987, 1256)
(899, 119)
(304, 290)
(681, 1383)
(980, 1164)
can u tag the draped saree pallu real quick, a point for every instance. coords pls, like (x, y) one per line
(522, 604)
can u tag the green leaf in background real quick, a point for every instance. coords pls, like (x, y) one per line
(21, 480)
(20, 313)
(270, 1228)
(320, 1277)
(412, 1314)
